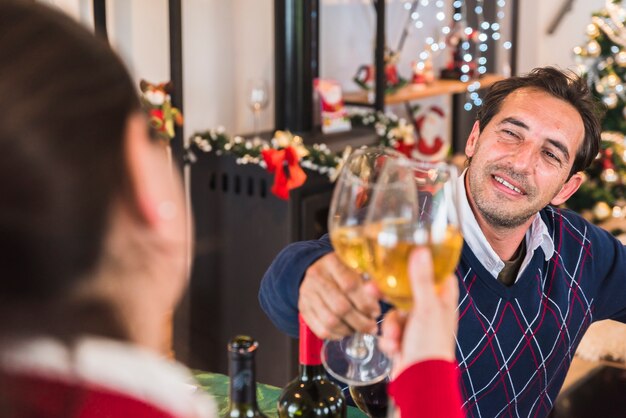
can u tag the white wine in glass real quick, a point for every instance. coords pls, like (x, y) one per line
(355, 360)
(415, 204)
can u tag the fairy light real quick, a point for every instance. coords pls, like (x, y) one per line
(474, 49)
(432, 43)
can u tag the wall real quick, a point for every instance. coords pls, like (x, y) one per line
(536, 47)
(228, 42)
(225, 43)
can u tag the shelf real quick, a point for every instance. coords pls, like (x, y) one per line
(421, 91)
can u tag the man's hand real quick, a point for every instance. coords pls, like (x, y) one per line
(427, 331)
(335, 301)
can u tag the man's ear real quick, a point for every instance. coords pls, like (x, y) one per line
(568, 189)
(472, 140)
(144, 169)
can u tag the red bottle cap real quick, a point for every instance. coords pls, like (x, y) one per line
(310, 345)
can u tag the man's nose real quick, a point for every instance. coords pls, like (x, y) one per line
(524, 158)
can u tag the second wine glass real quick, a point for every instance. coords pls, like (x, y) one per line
(355, 360)
(415, 204)
(258, 97)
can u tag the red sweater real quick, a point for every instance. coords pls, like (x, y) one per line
(428, 389)
(30, 396)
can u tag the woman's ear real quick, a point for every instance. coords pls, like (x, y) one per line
(146, 166)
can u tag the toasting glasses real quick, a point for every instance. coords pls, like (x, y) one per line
(355, 360)
(414, 204)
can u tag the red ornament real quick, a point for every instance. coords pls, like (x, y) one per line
(285, 165)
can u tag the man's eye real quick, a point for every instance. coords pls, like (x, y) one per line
(552, 156)
(508, 133)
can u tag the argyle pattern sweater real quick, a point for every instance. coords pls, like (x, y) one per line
(514, 344)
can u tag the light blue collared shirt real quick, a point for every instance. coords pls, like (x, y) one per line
(536, 236)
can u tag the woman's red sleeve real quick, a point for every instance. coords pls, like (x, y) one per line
(428, 389)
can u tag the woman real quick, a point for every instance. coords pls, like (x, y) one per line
(92, 237)
(422, 347)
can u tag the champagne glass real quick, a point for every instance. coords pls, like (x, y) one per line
(258, 99)
(355, 360)
(415, 203)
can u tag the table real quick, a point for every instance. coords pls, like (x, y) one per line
(218, 384)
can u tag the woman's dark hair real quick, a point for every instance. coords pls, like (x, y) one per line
(65, 98)
(564, 85)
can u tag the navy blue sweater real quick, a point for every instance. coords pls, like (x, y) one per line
(514, 344)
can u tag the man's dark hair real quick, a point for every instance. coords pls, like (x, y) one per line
(564, 85)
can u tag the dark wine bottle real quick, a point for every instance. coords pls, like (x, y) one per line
(311, 394)
(243, 404)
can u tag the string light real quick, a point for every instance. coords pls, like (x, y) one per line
(474, 45)
(432, 44)
(480, 37)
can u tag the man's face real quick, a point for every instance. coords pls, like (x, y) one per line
(521, 160)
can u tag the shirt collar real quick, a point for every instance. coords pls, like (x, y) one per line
(536, 236)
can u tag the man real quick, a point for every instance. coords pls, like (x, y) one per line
(532, 277)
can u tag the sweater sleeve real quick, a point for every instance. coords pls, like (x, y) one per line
(278, 294)
(609, 257)
(428, 389)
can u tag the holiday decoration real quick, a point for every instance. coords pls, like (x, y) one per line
(468, 45)
(285, 164)
(423, 72)
(602, 60)
(156, 99)
(333, 112)
(431, 128)
(366, 74)
(285, 155)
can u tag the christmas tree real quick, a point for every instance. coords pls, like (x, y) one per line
(602, 60)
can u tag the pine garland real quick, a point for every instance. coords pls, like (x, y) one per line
(391, 131)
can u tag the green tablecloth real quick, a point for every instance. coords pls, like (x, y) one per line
(217, 385)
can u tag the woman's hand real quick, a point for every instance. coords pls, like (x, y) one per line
(427, 331)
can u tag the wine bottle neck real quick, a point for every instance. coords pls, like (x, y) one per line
(310, 346)
(311, 372)
(243, 382)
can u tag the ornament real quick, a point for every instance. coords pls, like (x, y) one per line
(610, 100)
(620, 58)
(285, 165)
(157, 101)
(578, 51)
(612, 81)
(592, 31)
(593, 48)
(609, 176)
(431, 128)
(601, 211)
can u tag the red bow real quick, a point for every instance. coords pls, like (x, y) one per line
(285, 178)
(157, 119)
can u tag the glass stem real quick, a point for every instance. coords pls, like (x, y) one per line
(357, 347)
(257, 114)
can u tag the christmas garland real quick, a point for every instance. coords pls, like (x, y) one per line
(288, 150)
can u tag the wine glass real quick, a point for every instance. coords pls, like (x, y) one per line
(355, 360)
(258, 99)
(414, 204)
